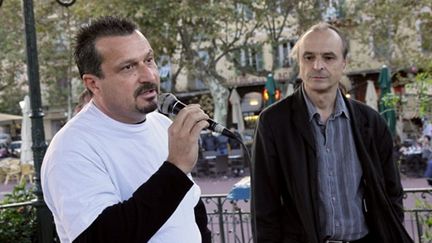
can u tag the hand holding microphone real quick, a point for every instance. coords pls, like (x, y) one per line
(185, 130)
(183, 137)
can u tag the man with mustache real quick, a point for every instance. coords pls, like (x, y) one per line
(323, 168)
(119, 171)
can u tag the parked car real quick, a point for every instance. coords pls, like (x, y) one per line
(15, 149)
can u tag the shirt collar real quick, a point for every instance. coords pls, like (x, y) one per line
(340, 106)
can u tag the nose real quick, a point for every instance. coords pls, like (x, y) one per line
(147, 73)
(318, 64)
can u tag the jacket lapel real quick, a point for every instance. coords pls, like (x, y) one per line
(301, 119)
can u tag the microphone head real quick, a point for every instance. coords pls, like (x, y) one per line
(166, 102)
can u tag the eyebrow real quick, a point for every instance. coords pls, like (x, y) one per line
(133, 60)
(329, 53)
(314, 53)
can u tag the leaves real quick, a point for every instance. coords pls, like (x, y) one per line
(18, 224)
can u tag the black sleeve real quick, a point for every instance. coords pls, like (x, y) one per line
(201, 220)
(391, 174)
(140, 217)
(266, 205)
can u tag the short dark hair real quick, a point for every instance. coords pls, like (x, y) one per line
(322, 26)
(86, 56)
(428, 137)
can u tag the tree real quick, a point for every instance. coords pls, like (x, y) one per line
(422, 84)
(12, 59)
(398, 33)
(282, 22)
(390, 31)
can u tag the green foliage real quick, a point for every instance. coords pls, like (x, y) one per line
(392, 29)
(425, 219)
(12, 68)
(18, 224)
(390, 100)
(424, 82)
(423, 86)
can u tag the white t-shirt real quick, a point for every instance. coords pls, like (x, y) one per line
(94, 162)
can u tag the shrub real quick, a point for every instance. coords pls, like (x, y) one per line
(18, 224)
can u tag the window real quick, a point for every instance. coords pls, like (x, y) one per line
(333, 10)
(245, 11)
(196, 83)
(281, 54)
(164, 64)
(203, 54)
(380, 41)
(252, 57)
(424, 28)
(276, 6)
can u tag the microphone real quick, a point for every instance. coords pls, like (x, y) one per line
(169, 104)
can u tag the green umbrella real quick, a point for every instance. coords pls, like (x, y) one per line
(388, 112)
(270, 89)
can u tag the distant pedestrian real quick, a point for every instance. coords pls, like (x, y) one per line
(221, 144)
(209, 142)
(234, 143)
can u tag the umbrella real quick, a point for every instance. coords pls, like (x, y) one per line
(270, 88)
(371, 96)
(387, 112)
(26, 136)
(290, 89)
(237, 114)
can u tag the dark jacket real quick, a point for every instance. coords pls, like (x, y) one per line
(285, 179)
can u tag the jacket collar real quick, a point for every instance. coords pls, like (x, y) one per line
(301, 118)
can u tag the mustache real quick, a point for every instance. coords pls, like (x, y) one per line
(145, 87)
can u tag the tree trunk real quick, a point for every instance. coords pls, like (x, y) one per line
(220, 96)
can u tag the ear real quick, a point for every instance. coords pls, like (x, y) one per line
(91, 82)
(345, 63)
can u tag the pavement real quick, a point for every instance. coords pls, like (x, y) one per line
(223, 185)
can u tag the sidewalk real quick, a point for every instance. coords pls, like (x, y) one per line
(224, 185)
(220, 185)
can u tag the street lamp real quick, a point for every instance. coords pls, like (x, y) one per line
(45, 222)
(45, 225)
(65, 3)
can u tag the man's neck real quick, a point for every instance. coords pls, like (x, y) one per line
(124, 118)
(323, 102)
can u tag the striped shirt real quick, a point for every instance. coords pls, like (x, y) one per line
(339, 174)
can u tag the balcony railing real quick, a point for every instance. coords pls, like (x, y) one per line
(230, 221)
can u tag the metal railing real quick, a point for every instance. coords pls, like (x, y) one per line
(230, 221)
(418, 213)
